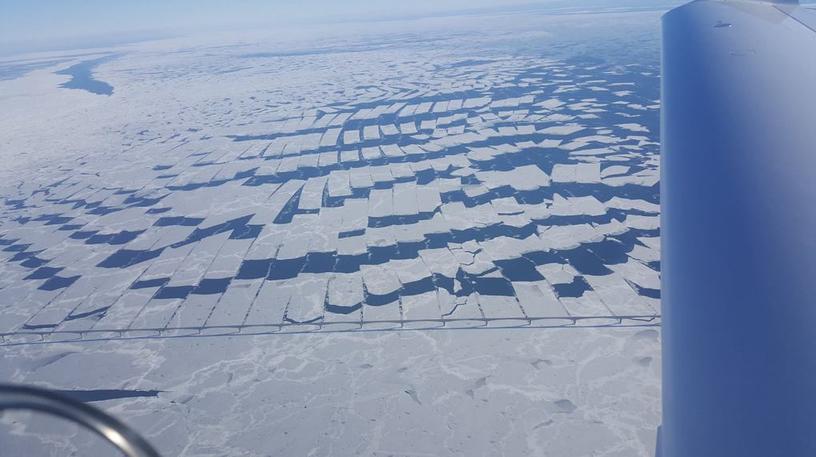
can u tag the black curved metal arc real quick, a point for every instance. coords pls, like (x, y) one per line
(16, 397)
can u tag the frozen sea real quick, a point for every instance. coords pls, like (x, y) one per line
(427, 237)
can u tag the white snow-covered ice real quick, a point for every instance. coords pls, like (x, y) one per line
(420, 236)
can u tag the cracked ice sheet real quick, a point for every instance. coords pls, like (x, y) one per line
(306, 178)
(526, 393)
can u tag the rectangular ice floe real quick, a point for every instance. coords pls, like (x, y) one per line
(476, 102)
(587, 305)
(440, 261)
(507, 206)
(203, 253)
(505, 247)
(637, 273)
(614, 227)
(550, 104)
(538, 300)
(562, 130)
(423, 107)
(408, 128)
(642, 222)
(575, 206)
(351, 137)
(586, 173)
(125, 309)
(381, 284)
(629, 204)
(338, 185)
(308, 299)
(557, 273)
(381, 174)
(644, 254)
(523, 178)
(505, 309)
(653, 242)
(413, 274)
(360, 178)
(345, 293)
(401, 171)
(352, 246)
(327, 159)
(460, 310)
(271, 208)
(49, 315)
(270, 304)
(385, 316)
(235, 303)
(619, 296)
(476, 262)
(166, 264)
(380, 203)
(16, 313)
(421, 310)
(158, 311)
(195, 311)
(427, 124)
(405, 199)
(428, 199)
(95, 306)
(391, 151)
(389, 130)
(311, 196)
(646, 178)
(355, 212)
(350, 156)
(371, 132)
(379, 237)
(632, 127)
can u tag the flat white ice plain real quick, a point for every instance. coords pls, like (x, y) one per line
(556, 392)
(424, 240)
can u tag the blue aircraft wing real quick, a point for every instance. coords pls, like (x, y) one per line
(738, 195)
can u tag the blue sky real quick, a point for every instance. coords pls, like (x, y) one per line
(30, 25)
(43, 24)
(27, 22)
